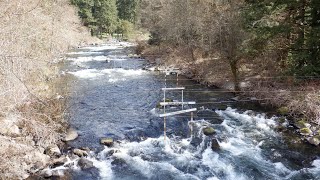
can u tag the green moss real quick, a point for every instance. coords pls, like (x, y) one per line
(168, 100)
(282, 120)
(283, 111)
(208, 131)
(305, 131)
(300, 124)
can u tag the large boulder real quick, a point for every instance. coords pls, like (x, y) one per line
(106, 141)
(53, 150)
(71, 135)
(59, 161)
(208, 131)
(80, 152)
(47, 173)
(215, 145)
(84, 163)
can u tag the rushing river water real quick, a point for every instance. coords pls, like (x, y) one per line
(114, 97)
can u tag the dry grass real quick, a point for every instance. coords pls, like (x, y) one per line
(300, 97)
(34, 36)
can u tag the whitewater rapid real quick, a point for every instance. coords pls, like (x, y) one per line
(115, 97)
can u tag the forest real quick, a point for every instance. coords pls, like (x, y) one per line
(257, 46)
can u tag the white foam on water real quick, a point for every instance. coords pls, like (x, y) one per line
(85, 53)
(108, 46)
(113, 75)
(105, 168)
(212, 160)
(153, 156)
(259, 121)
(281, 169)
(212, 178)
(315, 169)
(87, 73)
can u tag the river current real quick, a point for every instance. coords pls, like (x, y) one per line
(113, 96)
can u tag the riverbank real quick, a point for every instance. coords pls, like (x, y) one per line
(296, 99)
(32, 112)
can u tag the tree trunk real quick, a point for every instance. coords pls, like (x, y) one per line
(234, 69)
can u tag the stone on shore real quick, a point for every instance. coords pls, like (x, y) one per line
(53, 151)
(314, 140)
(71, 135)
(59, 162)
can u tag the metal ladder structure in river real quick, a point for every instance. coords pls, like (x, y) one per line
(182, 103)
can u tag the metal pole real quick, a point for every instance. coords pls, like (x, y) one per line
(182, 99)
(164, 118)
(177, 79)
(164, 107)
(191, 116)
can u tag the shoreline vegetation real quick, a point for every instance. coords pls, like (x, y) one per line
(34, 37)
(266, 50)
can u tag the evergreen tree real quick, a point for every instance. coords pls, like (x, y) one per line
(290, 27)
(127, 10)
(99, 15)
(105, 12)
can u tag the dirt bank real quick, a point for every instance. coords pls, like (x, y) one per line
(34, 37)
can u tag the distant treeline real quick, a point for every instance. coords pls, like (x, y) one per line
(108, 16)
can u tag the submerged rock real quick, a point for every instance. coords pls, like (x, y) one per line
(215, 145)
(106, 141)
(221, 107)
(210, 116)
(111, 152)
(80, 152)
(208, 131)
(71, 135)
(84, 163)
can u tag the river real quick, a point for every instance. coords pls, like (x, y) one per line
(112, 96)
